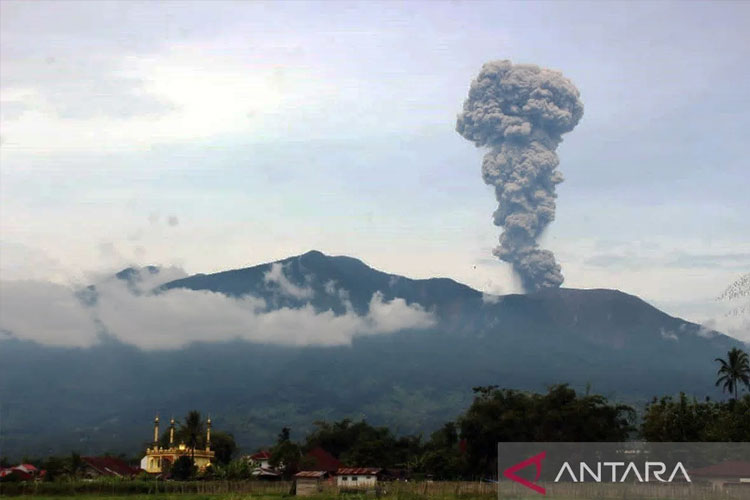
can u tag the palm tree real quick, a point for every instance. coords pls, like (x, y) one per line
(733, 370)
(192, 429)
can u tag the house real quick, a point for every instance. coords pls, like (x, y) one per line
(261, 464)
(319, 459)
(310, 482)
(718, 475)
(22, 472)
(159, 460)
(107, 466)
(358, 477)
(261, 459)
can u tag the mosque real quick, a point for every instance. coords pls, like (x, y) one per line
(158, 459)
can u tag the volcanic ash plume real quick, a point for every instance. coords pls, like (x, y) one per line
(520, 112)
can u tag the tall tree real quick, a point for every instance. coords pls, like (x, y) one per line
(223, 446)
(502, 415)
(733, 371)
(443, 458)
(361, 444)
(76, 464)
(286, 454)
(193, 430)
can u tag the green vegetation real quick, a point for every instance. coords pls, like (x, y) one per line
(287, 453)
(735, 370)
(183, 469)
(402, 491)
(684, 419)
(560, 415)
(464, 449)
(146, 487)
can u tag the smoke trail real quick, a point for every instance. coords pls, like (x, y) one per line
(520, 112)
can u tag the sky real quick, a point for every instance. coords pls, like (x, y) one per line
(207, 136)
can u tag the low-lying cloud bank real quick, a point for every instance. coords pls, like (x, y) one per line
(54, 314)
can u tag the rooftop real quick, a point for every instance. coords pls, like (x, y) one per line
(358, 471)
(313, 474)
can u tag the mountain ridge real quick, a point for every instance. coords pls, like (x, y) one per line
(103, 397)
(300, 268)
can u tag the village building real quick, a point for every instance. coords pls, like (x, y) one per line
(261, 466)
(723, 474)
(107, 467)
(310, 482)
(261, 459)
(159, 460)
(358, 477)
(22, 472)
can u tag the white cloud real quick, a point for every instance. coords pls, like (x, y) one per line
(180, 92)
(736, 325)
(735, 306)
(668, 335)
(392, 316)
(330, 287)
(276, 276)
(488, 298)
(707, 330)
(46, 313)
(52, 314)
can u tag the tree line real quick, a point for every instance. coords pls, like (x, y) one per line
(466, 448)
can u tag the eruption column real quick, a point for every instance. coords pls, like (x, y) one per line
(520, 113)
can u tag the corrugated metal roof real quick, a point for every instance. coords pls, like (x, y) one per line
(358, 471)
(315, 474)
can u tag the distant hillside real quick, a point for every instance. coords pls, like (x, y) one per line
(103, 398)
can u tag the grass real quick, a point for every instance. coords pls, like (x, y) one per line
(254, 490)
(168, 496)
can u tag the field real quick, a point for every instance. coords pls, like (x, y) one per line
(236, 490)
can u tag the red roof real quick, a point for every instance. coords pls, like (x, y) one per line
(110, 466)
(313, 474)
(261, 455)
(24, 472)
(322, 460)
(358, 471)
(724, 469)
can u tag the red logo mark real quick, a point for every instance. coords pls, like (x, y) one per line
(510, 472)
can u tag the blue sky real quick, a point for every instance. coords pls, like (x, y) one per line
(220, 135)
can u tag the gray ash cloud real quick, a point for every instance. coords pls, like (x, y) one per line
(520, 113)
